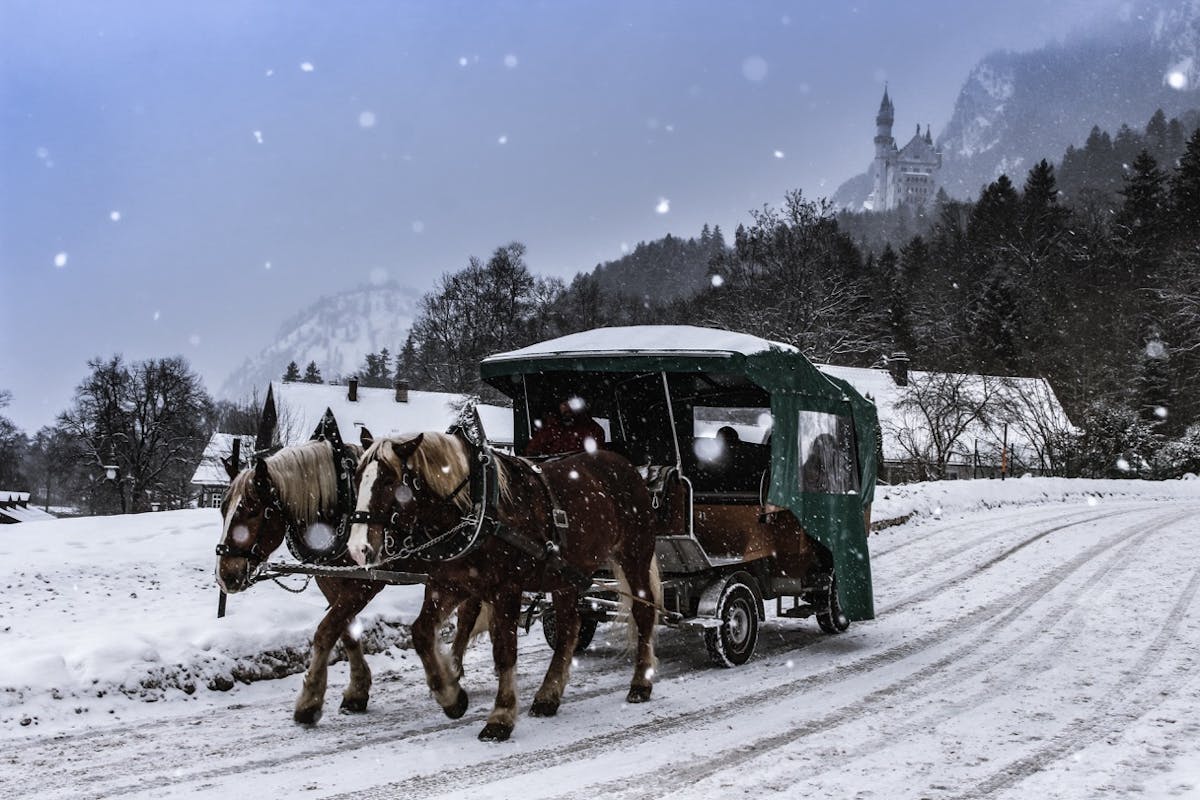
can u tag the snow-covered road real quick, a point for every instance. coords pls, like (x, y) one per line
(1021, 651)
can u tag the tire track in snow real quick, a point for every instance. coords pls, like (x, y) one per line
(884, 735)
(997, 614)
(680, 776)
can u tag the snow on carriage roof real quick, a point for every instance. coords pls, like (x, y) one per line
(647, 340)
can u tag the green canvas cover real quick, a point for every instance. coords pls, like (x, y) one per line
(796, 386)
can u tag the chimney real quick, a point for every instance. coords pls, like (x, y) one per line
(352, 395)
(401, 391)
(898, 366)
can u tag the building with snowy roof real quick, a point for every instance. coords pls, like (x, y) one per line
(299, 408)
(14, 507)
(901, 175)
(976, 425)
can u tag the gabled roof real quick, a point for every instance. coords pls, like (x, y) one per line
(645, 340)
(300, 407)
(918, 149)
(210, 471)
(1036, 393)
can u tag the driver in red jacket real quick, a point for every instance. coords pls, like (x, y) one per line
(568, 431)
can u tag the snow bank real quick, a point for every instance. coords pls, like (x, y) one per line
(102, 608)
(937, 498)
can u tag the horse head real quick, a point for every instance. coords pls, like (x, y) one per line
(253, 526)
(407, 484)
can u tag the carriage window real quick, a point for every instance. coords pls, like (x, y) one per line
(826, 444)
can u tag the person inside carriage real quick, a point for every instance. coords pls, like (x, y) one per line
(569, 430)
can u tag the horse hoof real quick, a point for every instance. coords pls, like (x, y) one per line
(459, 706)
(495, 732)
(543, 708)
(357, 705)
(638, 694)
(307, 716)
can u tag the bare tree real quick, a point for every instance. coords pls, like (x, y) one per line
(1037, 423)
(148, 421)
(936, 411)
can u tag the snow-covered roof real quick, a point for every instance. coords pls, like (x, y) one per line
(210, 471)
(300, 407)
(14, 507)
(646, 340)
(1032, 397)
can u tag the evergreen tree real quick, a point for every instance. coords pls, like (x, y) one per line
(311, 373)
(1185, 189)
(1142, 213)
(292, 373)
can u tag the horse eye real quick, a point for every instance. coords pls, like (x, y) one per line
(403, 494)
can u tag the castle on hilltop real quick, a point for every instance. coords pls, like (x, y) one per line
(906, 175)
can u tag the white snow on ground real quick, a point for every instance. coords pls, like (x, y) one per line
(1035, 637)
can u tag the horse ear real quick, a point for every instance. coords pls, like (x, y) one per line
(406, 449)
(366, 438)
(260, 471)
(230, 469)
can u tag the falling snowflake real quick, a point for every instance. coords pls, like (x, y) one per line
(307, 66)
(624, 247)
(1176, 79)
(355, 630)
(589, 444)
(403, 494)
(789, 663)
(510, 61)
(576, 404)
(318, 536)
(1092, 500)
(1122, 465)
(366, 119)
(270, 72)
(418, 226)
(573, 475)
(194, 340)
(754, 68)
(1161, 412)
(60, 260)
(462, 61)
(717, 281)
(115, 216)
(157, 314)
(258, 136)
(267, 265)
(503, 139)
(779, 154)
(664, 205)
(1155, 349)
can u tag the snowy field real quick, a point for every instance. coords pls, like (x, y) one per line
(1035, 637)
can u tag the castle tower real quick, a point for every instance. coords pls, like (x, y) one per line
(885, 149)
(904, 175)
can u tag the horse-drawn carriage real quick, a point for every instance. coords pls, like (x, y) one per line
(762, 470)
(731, 472)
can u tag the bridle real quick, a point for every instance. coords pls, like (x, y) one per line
(457, 540)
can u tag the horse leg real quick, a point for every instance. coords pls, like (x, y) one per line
(440, 677)
(566, 619)
(506, 608)
(468, 616)
(358, 690)
(642, 576)
(341, 611)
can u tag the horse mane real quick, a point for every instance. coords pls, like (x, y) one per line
(441, 462)
(304, 476)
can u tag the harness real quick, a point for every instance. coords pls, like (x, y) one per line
(483, 520)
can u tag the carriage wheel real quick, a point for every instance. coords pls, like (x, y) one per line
(832, 619)
(732, 644)
(587, 629)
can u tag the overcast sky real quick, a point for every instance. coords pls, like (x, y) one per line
(179, 177)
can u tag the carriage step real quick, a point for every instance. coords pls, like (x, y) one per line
(799, 612)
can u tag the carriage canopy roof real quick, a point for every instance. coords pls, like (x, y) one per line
(669, 348)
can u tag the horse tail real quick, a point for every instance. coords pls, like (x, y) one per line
(483, 622)
(626, 594)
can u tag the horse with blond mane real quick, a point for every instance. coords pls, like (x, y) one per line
(489, 526)
(296, 490)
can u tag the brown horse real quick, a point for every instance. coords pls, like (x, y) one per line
(298, 487)
(549, 529)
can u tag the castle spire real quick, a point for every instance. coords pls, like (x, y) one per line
(887, 112)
